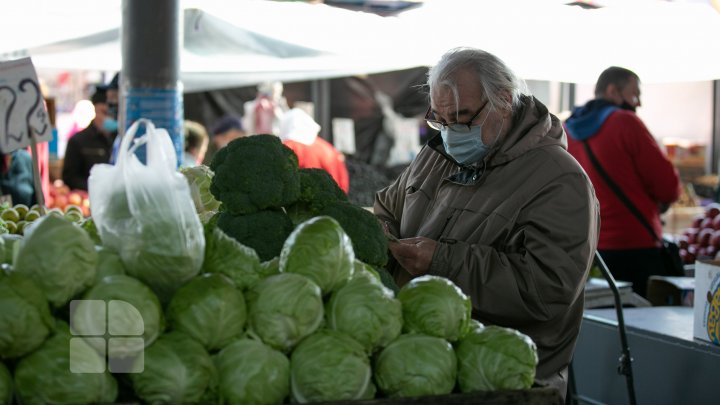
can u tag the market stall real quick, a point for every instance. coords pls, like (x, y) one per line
(669, 365)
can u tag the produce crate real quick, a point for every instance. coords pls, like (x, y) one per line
(532, 396)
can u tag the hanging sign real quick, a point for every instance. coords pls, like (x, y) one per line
(21, 106)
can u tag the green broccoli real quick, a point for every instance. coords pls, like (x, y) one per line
(265, 231)
(255, 173)
(317, 188)
(364, 230)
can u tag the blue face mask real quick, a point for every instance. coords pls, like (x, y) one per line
(465, 147)
(110, 125)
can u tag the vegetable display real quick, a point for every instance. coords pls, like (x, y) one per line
(287, 302)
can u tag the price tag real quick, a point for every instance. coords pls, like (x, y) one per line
(21, 106)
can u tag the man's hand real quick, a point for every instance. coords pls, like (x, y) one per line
(414, 254)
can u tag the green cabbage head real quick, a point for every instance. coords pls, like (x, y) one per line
(496, 358)
(209, 309)
(25, 319)
(46, 375)
(435, 306)
(177, 370)
(320, 250)
(124, 307)
(330, 366)
(416, 365)
(108, 264)
(366, 310)
(225, 255)
(284, 309)
(252, 373)
(199, 179)
(59, 256)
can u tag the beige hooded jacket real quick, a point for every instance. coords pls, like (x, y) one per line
(517, 233)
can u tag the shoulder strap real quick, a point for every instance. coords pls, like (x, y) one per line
(616, 189)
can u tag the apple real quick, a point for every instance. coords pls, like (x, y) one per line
(704, 236)
(707, 222)
(710, 251)
(682, 241)
(693, 249)
(697, 221)
(715, 239)
(687, 257)
(712, 210)
(75, 198)
(691, 235)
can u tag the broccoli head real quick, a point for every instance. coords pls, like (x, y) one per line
(265, 231)
(254, 173)
(317, 189)
(364, 230)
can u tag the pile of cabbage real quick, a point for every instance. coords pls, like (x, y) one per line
(312, 325)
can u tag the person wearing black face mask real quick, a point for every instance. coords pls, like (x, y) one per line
(607, 131)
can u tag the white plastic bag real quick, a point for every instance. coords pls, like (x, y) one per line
(146, 214)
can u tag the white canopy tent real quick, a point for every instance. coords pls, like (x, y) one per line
(236, 43)
(226, 43)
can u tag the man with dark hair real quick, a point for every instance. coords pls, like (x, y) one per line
(608, 129)
(225, 130)
(90, 146)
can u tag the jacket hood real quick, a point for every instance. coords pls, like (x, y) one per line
(586, 121)
(532, 127)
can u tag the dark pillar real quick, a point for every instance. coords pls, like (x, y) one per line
(149, 82)
(320, 94)
(714, 149)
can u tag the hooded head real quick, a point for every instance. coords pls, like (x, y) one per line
(298, 126)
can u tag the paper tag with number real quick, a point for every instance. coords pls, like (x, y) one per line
(21, 106)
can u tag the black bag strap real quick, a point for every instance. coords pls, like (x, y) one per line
(616, 189)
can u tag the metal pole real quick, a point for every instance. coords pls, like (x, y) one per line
(149, 81)
(625, 360)
(713, 153)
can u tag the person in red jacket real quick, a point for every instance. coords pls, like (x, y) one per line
(299, 132)
(635, 162)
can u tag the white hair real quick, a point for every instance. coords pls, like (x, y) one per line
(495, 78)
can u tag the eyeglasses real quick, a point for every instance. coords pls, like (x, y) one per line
(456, 127)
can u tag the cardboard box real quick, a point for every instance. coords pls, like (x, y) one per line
(706, 322)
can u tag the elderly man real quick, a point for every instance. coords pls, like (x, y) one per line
(496, 204)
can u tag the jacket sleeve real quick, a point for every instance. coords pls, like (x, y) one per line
(72, 171)
(658, 175)
(540, 267)
(389, 202)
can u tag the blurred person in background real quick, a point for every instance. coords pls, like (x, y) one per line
(16, 177)
(263, 114)
(196, 143)
(225, 130)
(497, 205)
(90, 146)
(299, 132)
(634, 161)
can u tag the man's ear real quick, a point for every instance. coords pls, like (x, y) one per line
(612, 92)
